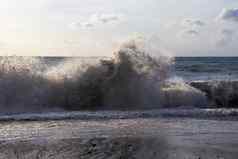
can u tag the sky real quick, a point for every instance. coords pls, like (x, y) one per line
(99, 27)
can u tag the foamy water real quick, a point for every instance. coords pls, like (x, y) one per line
(170, 138)
(132, 79)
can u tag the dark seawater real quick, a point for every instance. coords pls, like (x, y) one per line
(207, 68)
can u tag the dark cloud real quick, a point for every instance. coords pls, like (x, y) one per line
(229, 15)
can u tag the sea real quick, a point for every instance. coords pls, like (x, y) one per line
(186, 68)
(206, 68)
(38, 94)
(56, 84)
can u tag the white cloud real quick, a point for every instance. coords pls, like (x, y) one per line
(192, 27)
(228, 32)
(226, 38)
(97, 19)
(81, 25)
(191, 32)
(188, 33)
(229, 15)
(107, 18)
(193, 23)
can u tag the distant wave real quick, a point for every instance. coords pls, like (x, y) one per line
(207, 68)
(201, 68)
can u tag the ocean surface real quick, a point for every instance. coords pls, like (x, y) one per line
(48, 84)
(207, 68)
(38, 95)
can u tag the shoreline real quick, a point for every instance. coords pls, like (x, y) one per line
(194, 113)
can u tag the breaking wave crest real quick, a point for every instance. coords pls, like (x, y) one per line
(132, 79)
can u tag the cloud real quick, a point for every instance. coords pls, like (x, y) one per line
(226, 38)
(191, 32)
(229, 15)
(193, 23)
(97, 19)
(188, 33)
(228, 32)
(104, 18)
(82, 25)
(192, 27)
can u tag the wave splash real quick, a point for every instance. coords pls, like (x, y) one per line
(132, 79)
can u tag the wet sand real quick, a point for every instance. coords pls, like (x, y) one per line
(120, 138)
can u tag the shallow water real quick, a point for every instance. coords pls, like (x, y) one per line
(222, 113)
(120, 138)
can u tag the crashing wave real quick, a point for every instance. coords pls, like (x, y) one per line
(219, 93)
(132, 79)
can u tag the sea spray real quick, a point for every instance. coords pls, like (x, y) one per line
(219, 93)
(131, 79)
